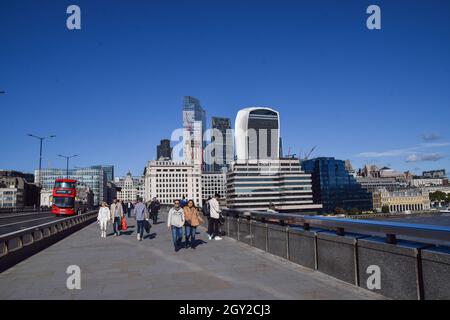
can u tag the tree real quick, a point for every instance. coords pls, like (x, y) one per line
(385, 209)
(338, 210)
(440, 197)
(354, 211)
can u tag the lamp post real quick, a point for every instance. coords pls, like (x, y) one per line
(39, 180)
(40, 153)
(67, 162)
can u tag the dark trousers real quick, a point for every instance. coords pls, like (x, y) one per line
(129, 212)
(155, 217)
(213, 227)
(116, 225)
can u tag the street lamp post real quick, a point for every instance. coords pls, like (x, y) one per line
(40, 160)
(67, 162)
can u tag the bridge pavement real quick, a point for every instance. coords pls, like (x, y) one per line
(123, 268)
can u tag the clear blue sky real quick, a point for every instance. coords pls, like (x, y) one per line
(113, 89)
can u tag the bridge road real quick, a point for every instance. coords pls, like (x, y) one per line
(123, 268)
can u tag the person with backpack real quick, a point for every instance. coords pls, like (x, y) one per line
(154, 209)
(192, 220)
(183, 202)
(141, 215)
(175, 223)
(214, 213)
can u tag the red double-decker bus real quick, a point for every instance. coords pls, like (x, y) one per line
(64, 197)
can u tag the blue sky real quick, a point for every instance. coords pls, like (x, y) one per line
(113, 89)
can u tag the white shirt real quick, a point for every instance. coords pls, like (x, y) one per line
(214, 208)
(104, 214)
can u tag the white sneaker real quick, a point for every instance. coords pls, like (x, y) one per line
(209, 237)
(217, 238)
(138, 236)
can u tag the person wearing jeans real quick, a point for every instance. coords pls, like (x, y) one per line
(175, 222)
(214, 215)
(141, 214)
(192, 221)
(116, 214)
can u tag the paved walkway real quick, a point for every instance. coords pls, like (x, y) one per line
(123, 268)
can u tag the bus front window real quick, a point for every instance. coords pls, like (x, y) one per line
(64, 202)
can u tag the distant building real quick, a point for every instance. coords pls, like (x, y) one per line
(255, 184)
(164, 150)
(212, 183)
(17, 190)
(130, 187)
(93, 177)
(426, 182)
(222, 144)
(108, 169)
(373, 184)
(257, 134)
(171, 180)
(434, 174)
(334, 187)
(401, 200)
(194, 127)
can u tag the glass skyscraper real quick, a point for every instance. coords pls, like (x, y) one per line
(334, 187)
(223, 151)
(194, 126)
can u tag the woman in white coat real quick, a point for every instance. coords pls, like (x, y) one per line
(104, 215)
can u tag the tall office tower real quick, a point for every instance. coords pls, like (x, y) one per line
(194, 126)
(257, 133)
(335, 187)
(109, 170)
(163, 150)
(222, 144)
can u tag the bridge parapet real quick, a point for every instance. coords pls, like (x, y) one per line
(18, 245)
(413, 259)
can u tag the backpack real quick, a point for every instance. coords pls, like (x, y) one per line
(206, 209)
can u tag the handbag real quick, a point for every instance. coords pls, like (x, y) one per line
(124, 223)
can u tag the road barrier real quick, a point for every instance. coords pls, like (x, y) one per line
(413, 259)
(19, 245)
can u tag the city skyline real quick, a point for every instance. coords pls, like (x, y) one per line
(368, 96)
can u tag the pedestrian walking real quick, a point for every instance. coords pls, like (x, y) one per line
(154, 209)
(206, 214)
(129, 208)
(104, 215)
(192, 220)
(175, 223)
(141, 215)
(214, 216)
(183, 202)
(116, 216)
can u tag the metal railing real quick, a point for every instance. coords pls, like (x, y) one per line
(391, 230)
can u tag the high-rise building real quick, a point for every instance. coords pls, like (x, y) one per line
(255, 184)
(212, 183)
(164, 150)
(171, 180)
(334, 187)
(93, 177)
(108, 169)
(257, 134)
(222, 152)
(194, 127)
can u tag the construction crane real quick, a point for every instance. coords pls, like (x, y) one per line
(309, 153)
